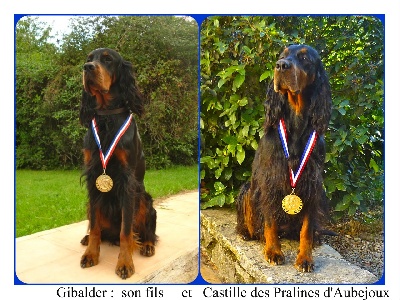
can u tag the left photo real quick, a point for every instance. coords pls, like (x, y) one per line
(106, 174)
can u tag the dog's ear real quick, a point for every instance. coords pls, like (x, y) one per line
(321, 101)
(87, 110)
(129, 89)
(272, 107)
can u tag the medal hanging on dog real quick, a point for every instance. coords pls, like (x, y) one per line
(104, 183)
(292, 203)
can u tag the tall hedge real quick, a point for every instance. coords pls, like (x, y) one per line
(237, 60)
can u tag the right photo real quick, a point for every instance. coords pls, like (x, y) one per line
(292, 149)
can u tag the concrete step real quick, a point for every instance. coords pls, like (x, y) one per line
(53, 256)
(240, 261)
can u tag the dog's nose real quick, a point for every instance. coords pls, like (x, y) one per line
(88, 66)
(283, 64)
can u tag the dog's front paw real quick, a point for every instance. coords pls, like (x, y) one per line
(304, 263)
(274, 256)
(147, 249)
(124, 269)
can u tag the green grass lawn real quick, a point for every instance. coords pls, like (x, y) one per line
(49, 199)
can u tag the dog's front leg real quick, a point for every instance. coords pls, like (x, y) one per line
(304, 261)
(125, 267)
(272, 249)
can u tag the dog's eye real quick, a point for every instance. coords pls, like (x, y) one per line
(303, 57)
(107, 58)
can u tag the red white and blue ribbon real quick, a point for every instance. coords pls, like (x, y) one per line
(120, 133)
(306, 154)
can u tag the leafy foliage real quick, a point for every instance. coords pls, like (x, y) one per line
(237, 61)
(164, 53)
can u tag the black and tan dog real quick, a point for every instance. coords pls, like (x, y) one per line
(119, 208)
(286, 193)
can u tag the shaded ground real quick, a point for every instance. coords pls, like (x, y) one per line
(360, 242)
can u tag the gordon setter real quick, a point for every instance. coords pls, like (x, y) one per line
(285, 194)
(119, 209)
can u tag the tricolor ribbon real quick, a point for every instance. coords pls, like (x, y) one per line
(120, 133)
(306, 154)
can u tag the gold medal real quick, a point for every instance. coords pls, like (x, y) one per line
(104, 183)
(292, 204)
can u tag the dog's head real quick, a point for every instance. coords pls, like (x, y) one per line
(301, 84)
(296, 68)
(108, 83)
(101, 70)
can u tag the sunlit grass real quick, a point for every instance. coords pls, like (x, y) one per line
(49, 199)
